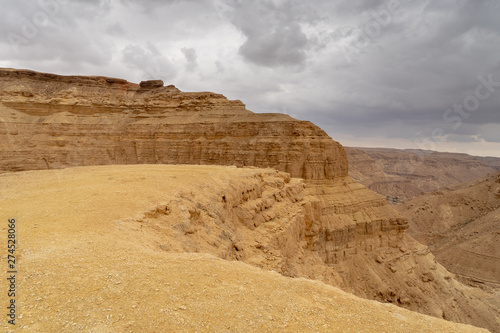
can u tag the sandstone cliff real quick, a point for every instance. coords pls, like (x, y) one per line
(52, 121)
(404, 174)
(342, 233)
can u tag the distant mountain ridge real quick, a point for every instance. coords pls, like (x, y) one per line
(401, 175)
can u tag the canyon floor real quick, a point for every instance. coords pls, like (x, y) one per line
(86, 261)
(461, 227)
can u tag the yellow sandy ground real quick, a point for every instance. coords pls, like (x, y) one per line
(79, 269)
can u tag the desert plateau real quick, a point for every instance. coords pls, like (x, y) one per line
(154, 248)
(139, 207)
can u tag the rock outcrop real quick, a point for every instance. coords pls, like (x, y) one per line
(151, 84)
(342, 233)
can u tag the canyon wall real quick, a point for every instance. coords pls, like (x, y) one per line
(343, 234)
(401, 175)
(461, 227)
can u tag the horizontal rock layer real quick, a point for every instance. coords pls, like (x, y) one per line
(53, 122)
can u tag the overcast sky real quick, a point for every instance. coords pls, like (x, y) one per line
(388, 73)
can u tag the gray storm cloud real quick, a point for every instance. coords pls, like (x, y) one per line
(273, 32)
(386, 70)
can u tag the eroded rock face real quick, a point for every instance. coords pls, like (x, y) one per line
(341, 232)
(55, 122)
(460, 225)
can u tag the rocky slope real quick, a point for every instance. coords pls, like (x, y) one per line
(112, 248)
(343, 234)
(461, 226)
(404, 174)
